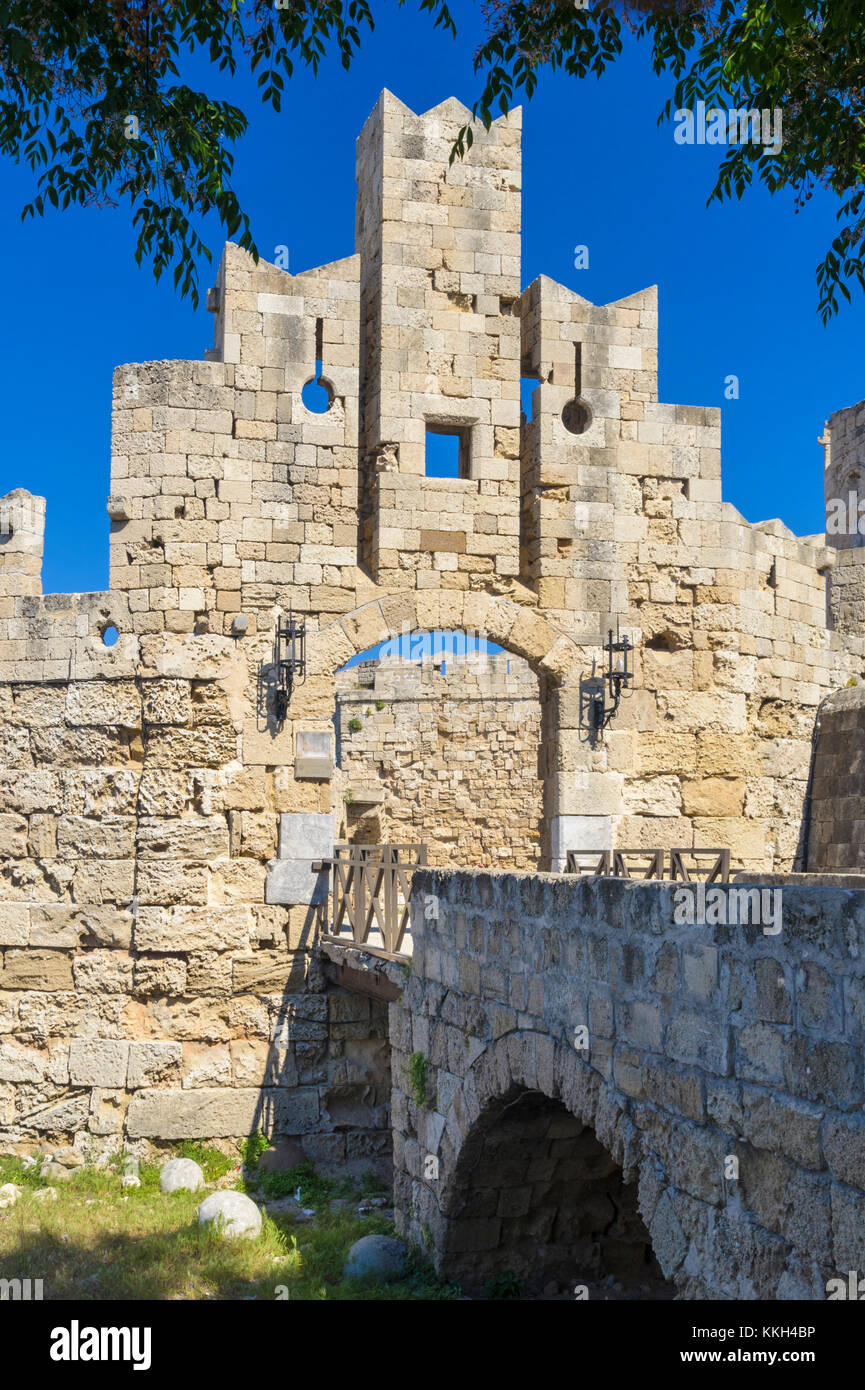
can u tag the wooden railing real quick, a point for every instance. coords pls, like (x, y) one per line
(370, 887)
(688, 865)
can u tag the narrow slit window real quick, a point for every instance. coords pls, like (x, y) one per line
(315, 394)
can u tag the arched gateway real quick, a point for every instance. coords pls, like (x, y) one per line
(555, 658)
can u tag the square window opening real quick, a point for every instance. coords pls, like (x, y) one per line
(448, 451)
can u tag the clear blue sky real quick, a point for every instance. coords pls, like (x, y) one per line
(737, 288)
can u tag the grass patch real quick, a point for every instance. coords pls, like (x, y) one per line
(212, 1161)
(99, 1240)
(312, 1189)
(417, 1072)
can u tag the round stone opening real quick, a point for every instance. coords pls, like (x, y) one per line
(576, 417)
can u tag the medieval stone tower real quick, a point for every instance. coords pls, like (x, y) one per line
(159, 821)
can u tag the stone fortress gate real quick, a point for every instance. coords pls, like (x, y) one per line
(160, 815)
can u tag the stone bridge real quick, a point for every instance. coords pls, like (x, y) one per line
(582, 1088)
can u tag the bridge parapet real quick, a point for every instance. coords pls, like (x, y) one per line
(718, 1066)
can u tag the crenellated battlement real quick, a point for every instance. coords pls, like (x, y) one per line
(160, 812)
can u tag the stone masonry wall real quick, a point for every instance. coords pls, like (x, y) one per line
(147, 990)
(450, 760)
(156, 888)
(836, 826)
(703, 1043)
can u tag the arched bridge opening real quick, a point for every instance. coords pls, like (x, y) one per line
(539, 1208)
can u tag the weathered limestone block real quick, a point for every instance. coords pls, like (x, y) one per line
(83, 747)
(179, 929)
(848, 1227)
(88, 792)
(40, 970)
(267, 745)
(107, 1111)
(68, 1116)
(44, 1016)
(14, 924)
(244, 789)
(176, 748)
(166, 702)
(844, 1148)
(190, 1114)
(38, 705)
(167, 882)
(154, 1064)
(189, 657)
(163, 975)
(209, 972)
(99, 703)
(236, 881)
(329, 649)
(98, 1062)
(109, 837)
(108, 927)
(269, 972)
(212, 702)
(30, 791)
(164, 792)
(250, 1058)
(21, 1064)
(192, 837)
(652, 796)
(713, 796)
(206, 1065)
(13, 836)
(42, 837)
(102, 972)
(253, 834)
(192, 1019)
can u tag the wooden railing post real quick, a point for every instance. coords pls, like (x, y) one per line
(359, 931)
(389, 930)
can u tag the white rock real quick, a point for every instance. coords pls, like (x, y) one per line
(180, 1174)
(376, 1257)
(230, 1213)
(45, 1194)
(130, 1176)
(9, 1194)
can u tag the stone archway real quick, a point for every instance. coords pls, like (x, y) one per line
(536, 1199)
(553, 656)
(540, 1175)
(551, 653)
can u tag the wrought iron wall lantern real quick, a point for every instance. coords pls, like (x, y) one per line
(600, 695)
(289, 659)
